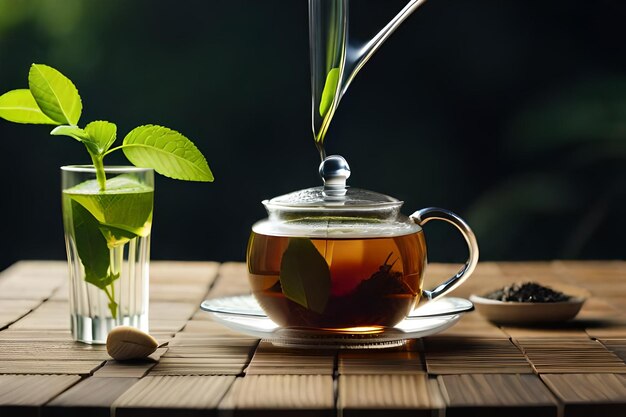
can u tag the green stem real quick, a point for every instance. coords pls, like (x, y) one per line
(115, 267)
(106, 291)
(117, 148)
(113, 305)
(98, 164)
(113, 291)
(112, 302)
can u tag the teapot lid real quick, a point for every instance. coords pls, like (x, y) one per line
(334, 210)
(335, 195)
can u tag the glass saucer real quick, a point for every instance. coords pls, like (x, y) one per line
(243, 314)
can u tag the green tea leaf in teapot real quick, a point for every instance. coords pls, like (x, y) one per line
(330, 88)
(305, 275)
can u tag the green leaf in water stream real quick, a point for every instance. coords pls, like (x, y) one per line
(330, 88)
(305, 275)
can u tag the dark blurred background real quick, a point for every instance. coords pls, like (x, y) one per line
(512, 114)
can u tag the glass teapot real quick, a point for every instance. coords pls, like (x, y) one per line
(333, 257)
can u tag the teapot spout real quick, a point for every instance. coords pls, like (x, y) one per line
(358, 56)
(335, 60)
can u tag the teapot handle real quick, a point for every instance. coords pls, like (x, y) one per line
(422, 217)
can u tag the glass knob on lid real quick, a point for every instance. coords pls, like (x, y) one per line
(335, 171)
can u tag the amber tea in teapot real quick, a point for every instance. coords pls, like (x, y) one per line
(375, 282)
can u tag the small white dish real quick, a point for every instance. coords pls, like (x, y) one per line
(243, 314)
(515, 312)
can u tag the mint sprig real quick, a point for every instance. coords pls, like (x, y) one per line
(53, 99)
(100, 225)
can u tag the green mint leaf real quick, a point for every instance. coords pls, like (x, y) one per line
(305, 275)
(167, 152)
(104, 282)
(102, 133)
(123, 211)
(19, 106)
(78, 134)
(55, 94)
(71, 131)
(328, 93)
(116, 236)
(91, 246)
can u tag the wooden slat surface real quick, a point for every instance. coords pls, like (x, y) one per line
(24, 395)
(617, 346)
(52, 315)
(32, 280)
(126, 369)
(388, 362)
(383, 395)
(570, 356)
(473, 368)
(589, 394)
(92, 397)
(37, 336)
(463, 355)
(56, 366)
(303, 395)
(271, 360)
(35, 350)
(169, 395)
(497, 395)
(15, 309)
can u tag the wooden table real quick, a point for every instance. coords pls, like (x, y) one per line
(474, 368)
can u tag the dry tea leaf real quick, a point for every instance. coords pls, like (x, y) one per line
(125, 342)
(528, 292)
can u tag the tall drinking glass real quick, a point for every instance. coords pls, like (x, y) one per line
(107, 237)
